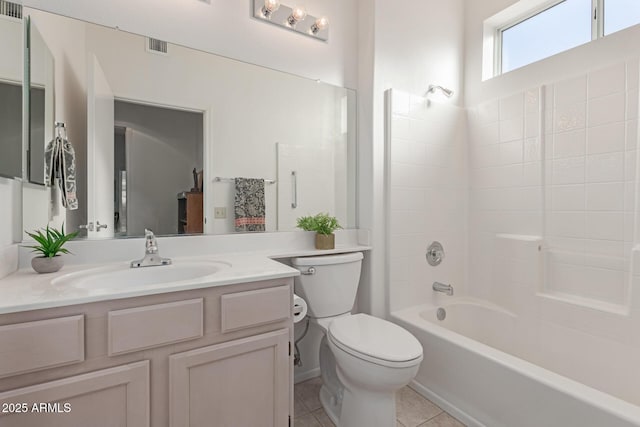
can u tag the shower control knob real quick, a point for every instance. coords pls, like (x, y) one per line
(435, 253)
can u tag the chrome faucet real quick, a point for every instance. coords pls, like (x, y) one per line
(441, 287)
(151, 255)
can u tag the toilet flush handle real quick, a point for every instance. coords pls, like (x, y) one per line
(310, 271)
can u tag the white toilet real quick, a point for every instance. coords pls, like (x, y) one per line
(363, 359)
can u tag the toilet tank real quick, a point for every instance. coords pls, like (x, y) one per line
(331, 289)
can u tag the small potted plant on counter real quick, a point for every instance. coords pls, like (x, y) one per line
(324, 225)
(51, 242)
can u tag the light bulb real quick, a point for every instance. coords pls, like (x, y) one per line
(319, 25)
(269, 7)
(297, 14)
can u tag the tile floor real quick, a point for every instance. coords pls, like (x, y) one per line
(413, 410)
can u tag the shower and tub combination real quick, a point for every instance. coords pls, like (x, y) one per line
(533, 195)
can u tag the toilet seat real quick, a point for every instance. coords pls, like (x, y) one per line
(375, 340)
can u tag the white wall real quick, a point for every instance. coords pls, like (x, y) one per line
(227, 28)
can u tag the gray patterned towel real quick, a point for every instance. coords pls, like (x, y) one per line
(60, 164)
(249, 204)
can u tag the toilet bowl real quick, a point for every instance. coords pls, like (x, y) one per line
(364, 360)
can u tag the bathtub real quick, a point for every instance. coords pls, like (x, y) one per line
(470, 370)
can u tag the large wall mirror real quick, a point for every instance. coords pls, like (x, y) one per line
(184, 142)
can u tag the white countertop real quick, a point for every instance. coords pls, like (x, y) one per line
(26, 290)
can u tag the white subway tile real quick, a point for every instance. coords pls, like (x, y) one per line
(607, 109)
(632, 74)
(632, 135)
(632, 104)
(605, 226)
(532, 150)
(629, 196)
(605, 167)
(399, 127)
(568, 171)
(569, 144)
(606, 139)
(512, 107)
(568, 224)
(568, 197)
(400, 103)
(532, 125)
(607, 81)
(630, 165)
(511, 129)
(532, 101)
(570, 91)
(569, 117)
(605, 197)
(511, 152)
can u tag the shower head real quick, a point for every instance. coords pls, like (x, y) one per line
(432, 89)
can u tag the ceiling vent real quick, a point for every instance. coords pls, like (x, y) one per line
(11, 10)
(157, 46)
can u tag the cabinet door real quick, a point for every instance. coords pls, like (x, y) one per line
(241, 383)
(115, 397)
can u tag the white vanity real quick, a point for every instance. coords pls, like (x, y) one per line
(177, 353)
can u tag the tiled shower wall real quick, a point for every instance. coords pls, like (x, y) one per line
(427, 181)
(558, 163)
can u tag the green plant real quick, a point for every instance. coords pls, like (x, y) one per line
(322, 223)
(51, 241)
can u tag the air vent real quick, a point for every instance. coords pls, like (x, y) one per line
(12, 10)
(157, 46)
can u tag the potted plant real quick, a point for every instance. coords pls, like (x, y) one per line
(324, 225)
(51, 242)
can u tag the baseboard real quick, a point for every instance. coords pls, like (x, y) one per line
(306, 375)
(452, 410)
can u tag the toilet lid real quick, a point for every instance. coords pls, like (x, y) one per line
(375, 338)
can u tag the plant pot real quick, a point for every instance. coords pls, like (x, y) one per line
(325, 241)
(47, 265)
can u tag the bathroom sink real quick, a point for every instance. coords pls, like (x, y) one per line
(122, 277)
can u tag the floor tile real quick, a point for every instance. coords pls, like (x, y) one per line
(399, 424)
(443, 420)
(323, 418)
(298, 407)
(306, 421)
(413, 409)
(308, 393)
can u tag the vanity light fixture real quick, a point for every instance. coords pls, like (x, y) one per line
(297, 14)
(269, 7)
(319, 25)
(293, 18)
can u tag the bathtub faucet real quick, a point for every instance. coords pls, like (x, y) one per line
(441, 287)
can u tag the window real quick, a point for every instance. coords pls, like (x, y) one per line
(525, 36)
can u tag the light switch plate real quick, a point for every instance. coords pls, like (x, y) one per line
(220, 213)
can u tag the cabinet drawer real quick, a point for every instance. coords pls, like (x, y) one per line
(140, 328)
(33, 346)
(252, 308)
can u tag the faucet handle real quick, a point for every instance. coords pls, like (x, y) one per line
(148, 233)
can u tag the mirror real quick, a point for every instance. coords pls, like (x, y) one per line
(182, 141)
(11, 77)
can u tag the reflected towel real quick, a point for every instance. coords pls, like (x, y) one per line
(60, 165)
(249, 204)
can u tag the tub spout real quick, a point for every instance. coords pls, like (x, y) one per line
(441, 287)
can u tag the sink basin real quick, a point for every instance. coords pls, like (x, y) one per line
(123, 277)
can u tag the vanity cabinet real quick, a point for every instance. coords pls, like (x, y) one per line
(218, 356)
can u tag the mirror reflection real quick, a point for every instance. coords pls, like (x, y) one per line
(11, 97)
(185, 142)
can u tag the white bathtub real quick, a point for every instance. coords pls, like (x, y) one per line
(467, 370)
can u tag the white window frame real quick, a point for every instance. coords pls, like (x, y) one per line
(516, 14)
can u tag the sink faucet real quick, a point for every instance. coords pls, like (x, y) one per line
(151, 255)
(441, 287)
